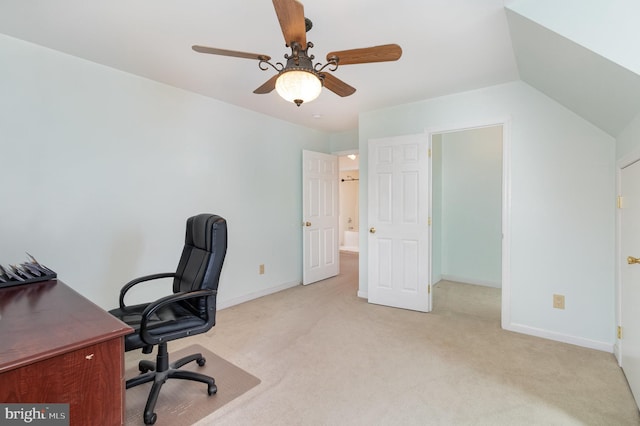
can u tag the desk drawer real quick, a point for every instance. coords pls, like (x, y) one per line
(89, 379)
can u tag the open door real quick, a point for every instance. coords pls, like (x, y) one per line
(630, 275)
(398, 238)
(321, 255)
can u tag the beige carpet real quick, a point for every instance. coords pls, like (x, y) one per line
(183, 402)
(327, 357)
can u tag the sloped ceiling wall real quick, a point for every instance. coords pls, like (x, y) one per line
(595, 87)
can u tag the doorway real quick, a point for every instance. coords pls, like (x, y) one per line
(349, 189)
(468, 208)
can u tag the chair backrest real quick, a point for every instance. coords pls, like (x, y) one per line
(201, 262)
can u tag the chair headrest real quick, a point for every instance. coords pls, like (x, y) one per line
(204, 230)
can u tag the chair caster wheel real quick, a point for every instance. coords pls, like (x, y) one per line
(201, 361)
(212, 390)
(149, 420)
(146, 366)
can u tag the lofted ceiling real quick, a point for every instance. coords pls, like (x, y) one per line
(594, 87)
(449, 46)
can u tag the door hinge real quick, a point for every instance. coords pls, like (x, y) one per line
(429, 221)
(619, 201)
(429, 288)
(429, 152)
(619, 332)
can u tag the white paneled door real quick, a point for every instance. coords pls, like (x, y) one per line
(398, 234)
(630, 275)
(320, 175)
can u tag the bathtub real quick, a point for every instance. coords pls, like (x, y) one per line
(351, 241)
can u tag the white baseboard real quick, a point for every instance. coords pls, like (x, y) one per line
(227, 303)
(518, 328)
(559, 337)
(466, 280)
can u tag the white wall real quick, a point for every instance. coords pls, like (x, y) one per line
(628, 140)
(561, 206)
(344, 141)
(471, 206)
(100, 170)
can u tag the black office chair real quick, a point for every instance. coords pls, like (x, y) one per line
(190, 310)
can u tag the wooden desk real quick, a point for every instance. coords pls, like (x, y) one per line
(58, 347)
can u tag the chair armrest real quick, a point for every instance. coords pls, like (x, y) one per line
(167, 300)
(130, 284)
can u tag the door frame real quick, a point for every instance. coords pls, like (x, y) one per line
(622, 163)
(505, 122)
(344, 153)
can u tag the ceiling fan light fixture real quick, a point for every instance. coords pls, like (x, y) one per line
(300, 80)
(298, 85)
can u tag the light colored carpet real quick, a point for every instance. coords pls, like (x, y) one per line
(327, 357)
(183, 402)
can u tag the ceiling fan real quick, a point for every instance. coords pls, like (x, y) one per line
(300, 80)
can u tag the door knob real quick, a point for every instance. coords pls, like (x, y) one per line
(307, 224)
(372, 230)
(631, 260)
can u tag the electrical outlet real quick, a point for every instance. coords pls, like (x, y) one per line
(558, 301)
(261, 269)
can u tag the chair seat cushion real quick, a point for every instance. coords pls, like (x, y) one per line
(173, 320)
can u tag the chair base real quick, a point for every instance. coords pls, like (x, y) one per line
(158, 372)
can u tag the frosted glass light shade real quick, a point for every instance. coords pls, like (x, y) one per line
(298, 86)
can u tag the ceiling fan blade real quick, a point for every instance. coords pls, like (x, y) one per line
(384, 53)
(268, 86)
(337, 86)
(291, 16)
(234, 53)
